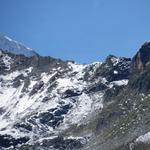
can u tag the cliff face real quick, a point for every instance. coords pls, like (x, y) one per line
(142, 59)
(140, 68)
(47, 103)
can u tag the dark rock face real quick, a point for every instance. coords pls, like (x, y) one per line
(45, 99)
(17, 81)
(46, 117)
(23, 126)
(51, 118)
(54, 117)
(142, 58)
(97, 87)
(1, 111)
(39, 64)
(114, 68)
(2, 67)
(57, 143)
(112, 92)
(7, 141)
(141, 82)
(140, 69)
(62, 144)
(71, 93)
(36, 88)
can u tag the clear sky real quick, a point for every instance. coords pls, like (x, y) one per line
(80, 30)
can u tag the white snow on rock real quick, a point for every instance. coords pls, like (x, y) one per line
(115, 72)
(119, 83)
(27, 99)
(144, 138)
(72, 81)
(18, 104)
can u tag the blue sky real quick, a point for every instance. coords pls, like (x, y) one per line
(80, 30)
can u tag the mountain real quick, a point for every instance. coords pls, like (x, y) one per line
(13, 46)
(51, 104)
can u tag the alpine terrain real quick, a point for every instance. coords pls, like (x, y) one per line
(51, 104)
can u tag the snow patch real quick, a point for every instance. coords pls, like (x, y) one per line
(119, 83)
(144, 138)
(115, 72)
(9, 39)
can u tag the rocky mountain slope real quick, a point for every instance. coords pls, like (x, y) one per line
(50, 104)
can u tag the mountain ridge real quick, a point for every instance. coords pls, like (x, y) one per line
(10, 45)
(48, 103)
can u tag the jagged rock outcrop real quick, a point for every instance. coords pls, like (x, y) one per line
(140, 69)
(142, 59)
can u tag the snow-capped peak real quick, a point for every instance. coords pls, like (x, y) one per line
(10, 45)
